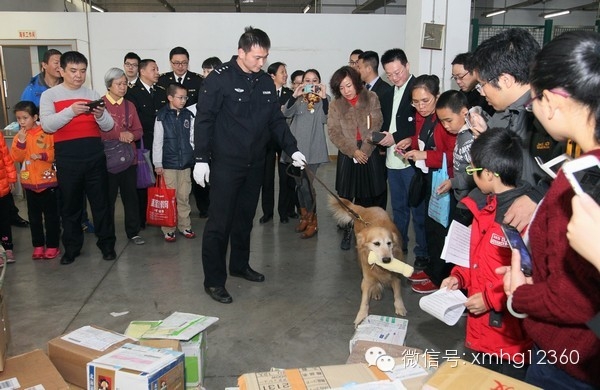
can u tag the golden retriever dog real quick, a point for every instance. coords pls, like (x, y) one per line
(376, 233)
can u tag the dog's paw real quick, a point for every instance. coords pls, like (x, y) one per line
(360, 318)
(401, 310)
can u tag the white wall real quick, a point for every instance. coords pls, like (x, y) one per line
(301, 41)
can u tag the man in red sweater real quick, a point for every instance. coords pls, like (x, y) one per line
(79, 153)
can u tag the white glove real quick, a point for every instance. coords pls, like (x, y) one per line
(201, 174)
(298, 160)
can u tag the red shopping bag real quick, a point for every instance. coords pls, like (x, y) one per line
(162, 206)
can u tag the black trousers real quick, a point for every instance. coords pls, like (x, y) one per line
(234, 196)
(268, 181)
(89, 177)
(42, 211)
(14, 210)
(288, 199)
(201, 195)
(5, 229)
(438, 269)
(125, 183)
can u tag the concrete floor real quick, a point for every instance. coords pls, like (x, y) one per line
(300, 316)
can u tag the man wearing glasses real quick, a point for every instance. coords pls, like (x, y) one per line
(353, 59)
(131, 63)
(466, 79)
(179, 59)
(502, 67)
(399, 127)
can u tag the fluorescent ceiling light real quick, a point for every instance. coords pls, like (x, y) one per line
(99, 9)
(495, 13)
(557, 13)
(306, 9)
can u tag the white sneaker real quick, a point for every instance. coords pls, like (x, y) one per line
(10, 257)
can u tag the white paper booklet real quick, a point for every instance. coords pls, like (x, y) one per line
(445, 305)
(456, 244)
(93, 338)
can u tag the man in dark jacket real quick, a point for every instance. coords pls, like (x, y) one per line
(237, 114)
(148, 98)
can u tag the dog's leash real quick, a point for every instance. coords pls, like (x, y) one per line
(312, 176)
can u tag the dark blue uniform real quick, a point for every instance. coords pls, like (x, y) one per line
(237, 115)
(192, 82)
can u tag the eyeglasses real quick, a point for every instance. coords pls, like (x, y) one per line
(471, 170)
(184, 98)
(352, 63)
(177, 63)
(479, 86)
(529, 104)
(396, 74)
(130, 65)
(456, 78)
(422, 103)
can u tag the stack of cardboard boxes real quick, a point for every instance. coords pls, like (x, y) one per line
(92, 358)
(410, 368)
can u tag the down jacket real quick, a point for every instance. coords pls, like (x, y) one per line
(8, 172)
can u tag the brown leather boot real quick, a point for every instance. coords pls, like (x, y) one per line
(312, 227)
(303, 221)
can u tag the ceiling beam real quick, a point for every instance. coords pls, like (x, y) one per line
(371, 6)
(167, 5)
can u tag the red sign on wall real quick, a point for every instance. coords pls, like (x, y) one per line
(27, 34)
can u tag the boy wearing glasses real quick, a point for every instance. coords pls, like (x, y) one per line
(173, 155)
(497, 161)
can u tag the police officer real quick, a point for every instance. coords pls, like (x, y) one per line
(148, 98)
(238, 113)
(180, 60)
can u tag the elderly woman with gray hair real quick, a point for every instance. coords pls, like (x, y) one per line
(126, 130)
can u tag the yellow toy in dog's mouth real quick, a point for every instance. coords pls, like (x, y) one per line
(395, 265)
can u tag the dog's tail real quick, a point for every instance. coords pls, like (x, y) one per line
(340, 213)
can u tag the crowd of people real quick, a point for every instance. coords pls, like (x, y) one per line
(231, 127)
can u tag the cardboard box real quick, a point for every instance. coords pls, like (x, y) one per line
(70, 358)
(193, 348)
(459, 374)
(137, 367)
(4, 327)
(325, 377)
(29, 370)
(195, 360)
(382, 329)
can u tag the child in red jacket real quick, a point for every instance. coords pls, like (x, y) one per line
(34, 149)
(496, 338)
(8, 178)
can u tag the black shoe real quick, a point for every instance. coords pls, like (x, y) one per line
(109, 255)
(19, 222)
(265, 218)
(248, 274)
(347, 240)
(68, 258)
(293, 215)
(219, 294)
(203, 214)
(421, 262)
(284, 220)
